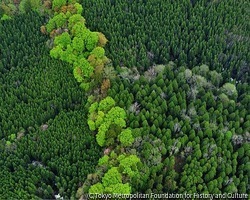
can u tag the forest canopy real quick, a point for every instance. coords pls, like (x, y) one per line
(123, 97)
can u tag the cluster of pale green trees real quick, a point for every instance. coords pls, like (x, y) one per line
(82, 48)
(117, 165)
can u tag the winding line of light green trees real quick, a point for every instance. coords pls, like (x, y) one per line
(74, 43)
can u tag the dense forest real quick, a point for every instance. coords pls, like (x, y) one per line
(46, 146)
(124, 97)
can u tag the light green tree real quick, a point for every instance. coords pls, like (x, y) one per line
(93, 108)
(74, 19)
(113, 176)
(57, 4)
(60, 20)
(64, 40)
(126, 138)
(5, 17)
(215, 78)
(78, 8)
(128, 164)
(70, 56)
(78, 74)
(228, 135)
(115, 113)
(50, 25)
(86, 69)
(79, 30)
(98, 52)
(91, 125)
(28, 5)
(100, 137)
(56, 52)
(78, 44)
(99, 118)
(230, 90)
(120, 122)
(119, 188)
(106, 104)
(103, 160)
(85, 86)
(92, 41)
(96, 189)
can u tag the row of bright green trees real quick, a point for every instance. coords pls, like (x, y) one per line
(74, 43)
(77, 45)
